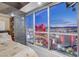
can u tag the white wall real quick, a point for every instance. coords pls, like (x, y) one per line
(5, 21)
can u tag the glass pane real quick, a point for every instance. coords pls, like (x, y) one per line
(41, 21)
(29, 28)
(63, 28)
(41, 39)
(29, 21)
(41, 26)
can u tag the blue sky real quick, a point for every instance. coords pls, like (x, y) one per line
(59, 14)
(29, 21)
(41, 17)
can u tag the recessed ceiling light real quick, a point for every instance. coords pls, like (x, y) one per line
(39, 3)
(12, 14)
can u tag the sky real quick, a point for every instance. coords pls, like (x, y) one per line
(29, 21)
(41, 17)
(59, 15)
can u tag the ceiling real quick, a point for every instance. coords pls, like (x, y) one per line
(16, 5)
(8, 7)
(19, 7)
(32, 6)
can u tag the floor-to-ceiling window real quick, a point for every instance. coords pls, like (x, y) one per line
(63, 28)
(29, 28)
(41, 28)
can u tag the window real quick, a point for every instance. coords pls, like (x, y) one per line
(29, 28)
(41, 22)
(41, 26)
(29, 21)
(63, 28)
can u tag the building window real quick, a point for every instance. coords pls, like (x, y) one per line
(41, 22)
(29, 28)
(63, 28)
(41, 27)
